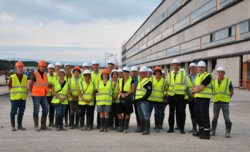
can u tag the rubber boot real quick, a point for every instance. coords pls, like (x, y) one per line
(88, 125)
(161, 124)
(102, 124)
(147, 127)
(126, 122)
(199, 133)
(66, 120)
(214, 126)
(58, 123)
(141, 126)
(81, 124)
(61, 124)
(106, 124)
(121, 128)
(12, 122)
(51, 120)
(92, 122)
(228, 129)
(77, 121)
(43, 124)
(72, 121)
(98, 121)
(205, 135)
(36, 123)
(177, 123)
(19, 122)
(194, 126)
(158, 122)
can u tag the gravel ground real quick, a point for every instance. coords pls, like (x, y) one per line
(76, 140)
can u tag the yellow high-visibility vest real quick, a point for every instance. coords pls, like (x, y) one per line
(87, 92)
(140, 90)
(73, 86)
(206, 93)
(62, 93)
(104, 95)
(95, 78)
(221, 92)
(177, 85)
(18, 90)
(157, 90)
(51, 82)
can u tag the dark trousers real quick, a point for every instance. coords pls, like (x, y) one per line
(177, 103)
(51, 108)
(191, 109)
(202, 113)
(113, 117)
(17, 105)
(136, 112)
(86, 109)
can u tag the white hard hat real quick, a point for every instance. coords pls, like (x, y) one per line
(67, 64)
(192, 64)
(176, 61)
(162, 71)
(221, 68)
(62, 70)
(85, 64)
(120, 70)
(86, 72)
(51, 66)
(114, 70)
(150, 70)
(202, 64)
(126, 69)
(144, 69)
(95, 62)
(58, 63)
(111, 62)
(134, 68)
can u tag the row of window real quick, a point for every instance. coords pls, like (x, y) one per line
(219, 37)
(203, 11)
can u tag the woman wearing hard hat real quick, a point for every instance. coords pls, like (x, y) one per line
(61, 91)
(125, 91)
(73, 98)
(113, 118)
(86, 93)
(58, 66)
(104, 99)
(52, 77)
(18, 93)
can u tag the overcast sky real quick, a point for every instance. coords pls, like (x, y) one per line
(69, 30)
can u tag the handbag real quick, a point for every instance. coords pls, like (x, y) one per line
(128, 100)
(57, 104)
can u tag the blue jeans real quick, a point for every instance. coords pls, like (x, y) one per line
(60, 110)
(143, 110)
(225, 110)
(157, 107)
(37, 101)
(17, 104)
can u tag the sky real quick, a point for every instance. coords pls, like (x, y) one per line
(69, 30)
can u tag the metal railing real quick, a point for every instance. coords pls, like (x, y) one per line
(226, 40)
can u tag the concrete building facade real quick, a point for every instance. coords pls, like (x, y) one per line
(215, 31)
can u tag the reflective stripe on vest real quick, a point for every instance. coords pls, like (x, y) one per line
(104, 97)
(157, 95)
(206, 93)
(19, 89)
(179, 87)
(61, 93)
(221, 92)
(140, 90)
(41, 85)
(73, 86)
(87, 94)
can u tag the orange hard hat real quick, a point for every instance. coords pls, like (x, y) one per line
(42, 63)
(19, 64)
(105, 71)
(77, 68)
(157, 69)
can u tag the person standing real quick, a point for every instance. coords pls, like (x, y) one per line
(222, 93)
(150, 73)
(202, 91)
(143, 91)
(164, 104)
(104, 99)
(58, 66)
(18, 93)
(61, 91)
(86, 93)
(85, 66)
(136, 78)
(38, 87)
(52, 77)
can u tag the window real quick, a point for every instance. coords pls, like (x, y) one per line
(157, 38)
(168, 32)
(174, 6)
(223, 3)
(174, 50)
(244, 30)
(144, 46)
(191, 45)
(182, 23)
(165, 14)
(146, 59)
(151, 42)
(161, 18)
(142, 35)
(147, 30)
(222, 34)
(162, 54)
(154, 24)
(203, 11)
(153, 57)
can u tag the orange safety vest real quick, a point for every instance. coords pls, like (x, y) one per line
(41, 85)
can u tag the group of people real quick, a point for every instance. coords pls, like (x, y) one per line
(74, 94)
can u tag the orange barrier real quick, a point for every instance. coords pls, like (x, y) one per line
(244, 84)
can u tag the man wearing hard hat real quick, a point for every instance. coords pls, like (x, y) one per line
(110, 67)
(177, 80)
(202, 91)
(38, 87)
(143, 91)
(222, 92)
(58, 66)
(85, 66)
(18, 93)
(136, 78)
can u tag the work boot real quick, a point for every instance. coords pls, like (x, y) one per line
(141, 126)
(170, 130)
(58, 122)
(51, 120)
(72, 121)
(106, 124)
(199, 133)
(102, 124)
(43, 124)
(12, 121)
(61, 124)
(36, 123)
(161, 125)
(147, 127)
(19, 122)
(228, 129)
(66, 120)
(158, 121)
(194, 126)
(81, 124)
(126, 125)
(77, 121)
(214, 126)
(205, 135)
(121, 121)
(89, 121)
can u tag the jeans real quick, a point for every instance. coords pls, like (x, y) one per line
(37, 101)
(143, 110)
(225, 110)
(60, 110)
(201, 110)
(17, 104)
(157, 107)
